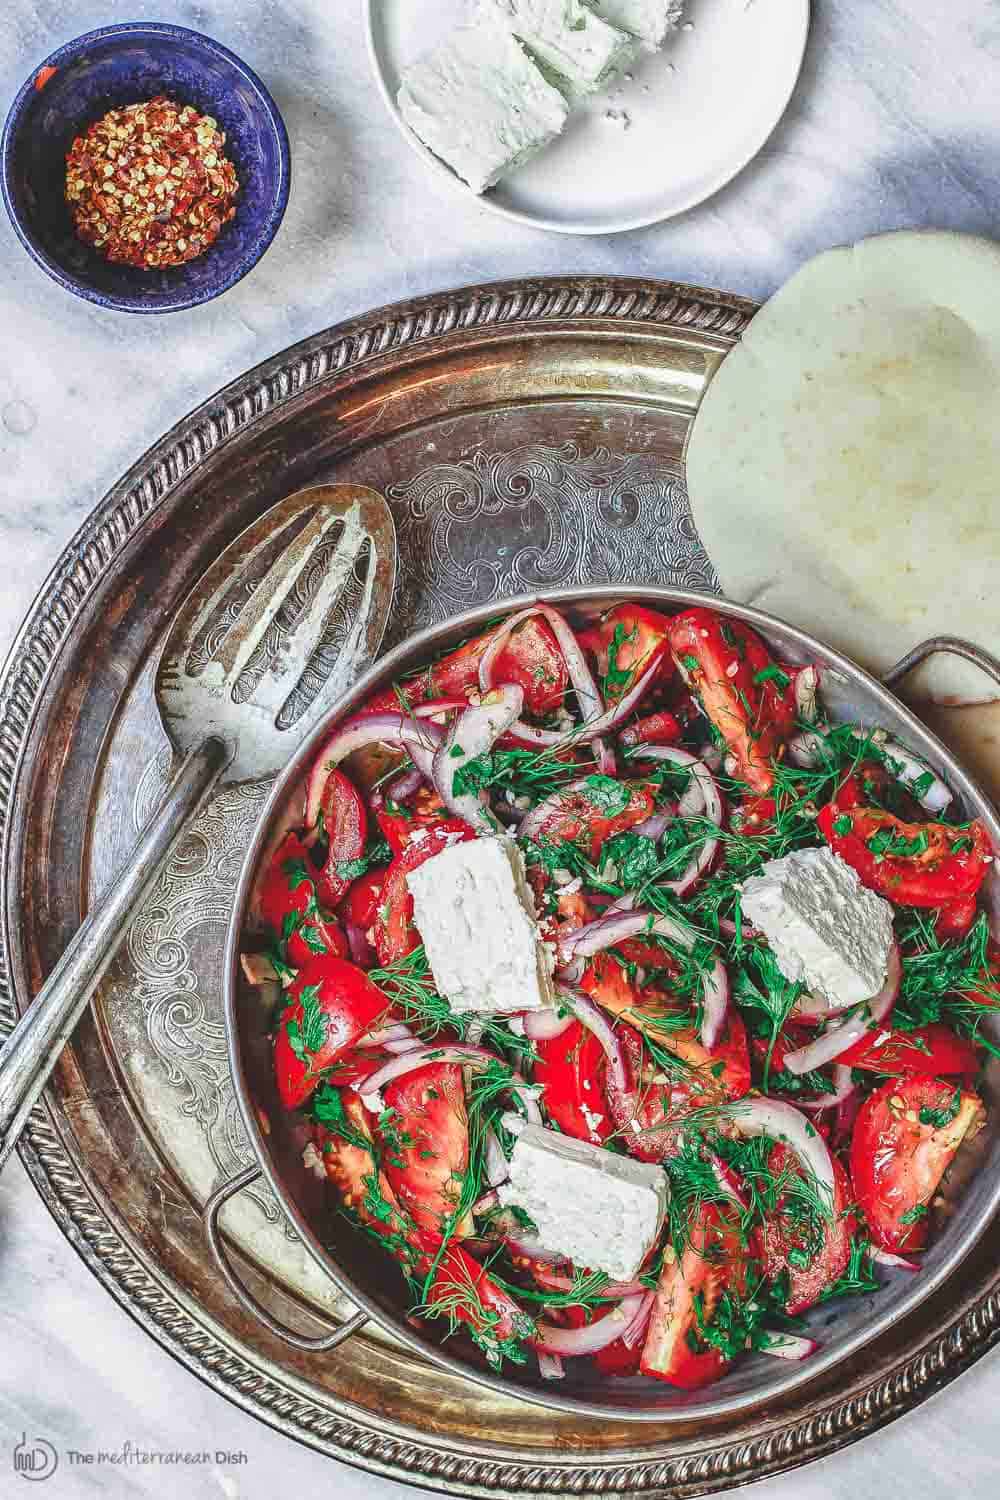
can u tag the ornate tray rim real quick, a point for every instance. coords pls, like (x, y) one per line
(91, 1226)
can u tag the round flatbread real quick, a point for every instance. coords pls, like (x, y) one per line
(844, 468)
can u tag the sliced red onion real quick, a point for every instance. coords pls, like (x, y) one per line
(806, 689)
(782, 1122)
(530, 1247)
(711, 755)
(637, 1328)
(487, 1202)
(788, 1345)
(843, 1087)
(617, 926)
(435, 706)
(419, 740)
(534, 821)
(548, 1339)
(497, 1166)
(727, 1180)
(403, 1045)
(361, 949)
(656, 826)
(909, 768)
(404, 786)
(701, 798)
(611, 1289)
(474, 733)
(806, 749)
(728, 929)
(887, 1258)
(397, 1033)
(477, 1057)
(545, 1025)
(550, 1367)
(591, 1016)
(843, 1034)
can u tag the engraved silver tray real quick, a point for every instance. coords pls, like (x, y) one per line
(528, 435)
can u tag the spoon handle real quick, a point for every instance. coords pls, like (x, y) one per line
(34, 1046)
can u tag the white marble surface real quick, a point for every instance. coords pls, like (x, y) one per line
(895, 123)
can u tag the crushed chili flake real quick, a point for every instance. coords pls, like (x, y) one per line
(150, 185)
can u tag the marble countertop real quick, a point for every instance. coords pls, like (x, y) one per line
(894, 124)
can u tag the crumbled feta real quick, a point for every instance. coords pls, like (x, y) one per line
(567, 39)
(825, 929)
(473, 908)
(601, 1210)
(480, 103)
(648, 20)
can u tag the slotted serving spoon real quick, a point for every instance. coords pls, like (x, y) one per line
(281, 624)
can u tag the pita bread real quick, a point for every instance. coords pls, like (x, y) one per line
(844, 468)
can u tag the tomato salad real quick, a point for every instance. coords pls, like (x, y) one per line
(647, 766)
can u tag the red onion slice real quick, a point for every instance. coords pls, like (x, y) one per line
(545, 1025)
(727, 1180)
(701, 798)
(841, 1035)
(591, 1016)
(529, 1247)
(806, 749)
(572, 1342)
(487, 1202)
(396, 1033)
(805, 689)
(909, 768)
(420, 740)
(887, 1258)
(534, 821)
(843, 1087)
(550, 1367)
(656, 826)
(362, 951)
(474, 733)
(637, 1328)
(788, 1345)
(781, 1122)
(476, 1057)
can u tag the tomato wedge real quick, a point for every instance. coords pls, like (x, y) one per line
(424, 1132)
(745, 695)
(578, 817)
(930, 1051)
(345, 826)
(787, 1246)
(531, 659)
(395, 934)
(911, 864)
(624, 643)
(905, 1137)
(655, 729)
(331, 1004)
(713, 1263)
(462, 1288)
(571, 1067)
(363, 900)
(352, 1170)
(289, 904)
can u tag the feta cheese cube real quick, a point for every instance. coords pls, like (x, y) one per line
(648, 20)
(603, 1211)
(473, 908)
(479, 103)
(825, 929)
(567, 40)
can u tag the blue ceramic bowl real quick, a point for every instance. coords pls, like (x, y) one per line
(121, 65)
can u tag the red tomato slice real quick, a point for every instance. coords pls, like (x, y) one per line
(944, 865)
(743, 692)
(954, 921)
(426, 810)
(425, 1142)
(395, 934)
(784, 1241)
(350, 1168)
(655, 729)
(571, 1069)
(713, 1262)
(362, 901)
(331, 1004)
(619, 1359)
(905, 1137)
(927, 1052)
(623, 643)
(531, 659)
(345, 824)
(468, 1293)
(577, 819)
(289, 904)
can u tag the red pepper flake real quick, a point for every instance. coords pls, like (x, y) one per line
(150, 185)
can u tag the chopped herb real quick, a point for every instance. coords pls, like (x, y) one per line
(842, 826)
(607, 794)
(774, 674)
(939, 1118)
(914, 1214)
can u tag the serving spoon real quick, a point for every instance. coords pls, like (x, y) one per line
(277, 628)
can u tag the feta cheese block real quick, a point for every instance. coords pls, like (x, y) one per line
(601, 1210)
(570, 43)
(649, 21)
(825, 929)
(480, 104)
(473, 908)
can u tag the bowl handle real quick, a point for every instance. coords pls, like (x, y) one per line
(950, 645)
(210, 1219)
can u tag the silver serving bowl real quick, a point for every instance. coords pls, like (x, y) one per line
(369, 1277)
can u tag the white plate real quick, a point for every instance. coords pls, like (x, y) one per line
(697, 113)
